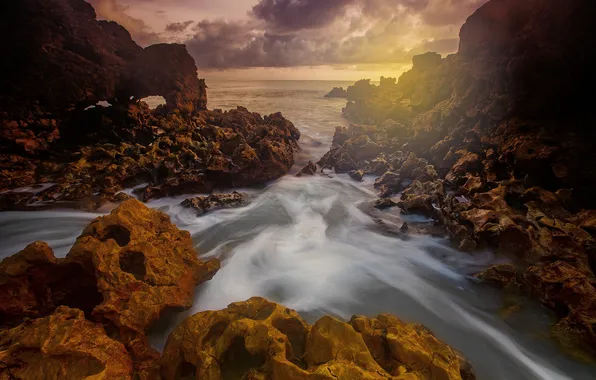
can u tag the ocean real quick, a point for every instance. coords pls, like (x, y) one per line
(313, 244)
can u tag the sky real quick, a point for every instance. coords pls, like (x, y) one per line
(296, 39)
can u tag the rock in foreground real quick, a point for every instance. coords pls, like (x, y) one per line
(143, 265)
(63, 346)
(258, 339)
(124, 271)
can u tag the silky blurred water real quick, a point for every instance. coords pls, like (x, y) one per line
(312, 244)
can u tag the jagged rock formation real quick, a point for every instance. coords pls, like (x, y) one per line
(496, 141)
(260, 339)
(337, 92)
(61, 57)
(62, 61)
(124, 271)
(173, 154)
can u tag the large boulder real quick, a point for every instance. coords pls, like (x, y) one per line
(260, 339)
(60, 55)
(143, 265)
(124, 271)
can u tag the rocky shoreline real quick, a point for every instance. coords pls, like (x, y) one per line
(88, 314)
(485, 143)
(177, 155)
(75, 132)
(481, 141)
(84, 153)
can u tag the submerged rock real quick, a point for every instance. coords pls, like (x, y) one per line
(260, 339)
(214, 202)
(309, 169)
(63, 345)
(357, 175)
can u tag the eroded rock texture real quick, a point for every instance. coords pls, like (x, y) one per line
(495, 143)
(174, 154)
(124, 271)
(167, 70)
(143, 265)
(63, 345)
(258, 339)
(33, 283)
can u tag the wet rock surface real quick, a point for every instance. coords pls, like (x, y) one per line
(143, 265)
(64, 331)
(481, 142)
(124, 271)
(214, 202)
(180, 155)
(52, 131)
(261, 339)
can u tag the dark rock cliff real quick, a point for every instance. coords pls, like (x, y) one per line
(58, 57)
(500, 144)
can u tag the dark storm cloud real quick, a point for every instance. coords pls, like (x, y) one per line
(220, 44)
(300, 14)
(450, 12)
(303, 14)
(286, 33)
(178, 27)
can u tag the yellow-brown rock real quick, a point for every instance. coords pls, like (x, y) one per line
(143, 265)
(62, 346)
(124, 270)
(258, 339)
(571, 293)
